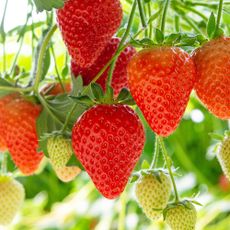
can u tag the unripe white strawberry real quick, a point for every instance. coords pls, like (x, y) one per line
(181, 216)
(153, 192)
(12, 195)
(67, 174)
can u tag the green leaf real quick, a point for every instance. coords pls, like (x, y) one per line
(83, 100)
(77, 88)
(211, 26)
(123, 94)
(48, 4)
(159, 36)
(65, 71)
(46, 64)
(172, 39)
(73, 161)
(145, 164)
(97, 91)
(4, 82)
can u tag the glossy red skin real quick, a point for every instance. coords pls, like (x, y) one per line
(213, 76)
(120, 75)
(3, 102)
(20, 134)
(161, 80)
(87, 26)
(108, 140)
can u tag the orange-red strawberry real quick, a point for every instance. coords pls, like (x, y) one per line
(120, 79)
(19, 123)
(55, 89)
(108, 140)
(3, 102)
(161, 80)
(87, 26)
(212, 62)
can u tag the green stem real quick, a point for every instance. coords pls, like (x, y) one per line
(70, 114)
(150, 24)
(206, 4)
(177, 24)
(4, 163)
(192, 24)
(219, 15)
(125, 36)
(156, 154)
(4, 35)
(164, 16)
(168, 164)
(56, 69)
(142, 13)
(41, 57)
(15, 89)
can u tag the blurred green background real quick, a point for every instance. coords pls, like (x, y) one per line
(53, 205)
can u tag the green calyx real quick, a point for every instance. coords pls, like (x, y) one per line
(98, 96)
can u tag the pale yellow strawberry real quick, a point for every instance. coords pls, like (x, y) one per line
(67, 174)
(12, 195)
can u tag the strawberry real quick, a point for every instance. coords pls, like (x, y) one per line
(108, 141)
(161, 80)
(59, 150)
(153, 192)
(212, 62)
(87, 26)
(3, 102)
(224, 183)
(55, 89)
(223, 155)
(20, 134)
(67, 174)
(12, 195)
(120, 79)
(181, 216)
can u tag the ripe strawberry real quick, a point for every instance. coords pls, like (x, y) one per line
(108, 141)
(20, 134)
(3, 102)
(87, 26)
(153, 193)
(182, 216)
(223, 156)
(213, 70)
(120, 79)
(12, 195)
(67, 174)
(224, 183)
(59, 150)
(55, 89)
(161, 80)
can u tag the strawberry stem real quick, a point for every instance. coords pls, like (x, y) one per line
(150, 24)
(168, 165)
(121, 220)
(125, 36)
(164, 16)
(220, 10)
(142, 13)
(41, 58)
(156, 154)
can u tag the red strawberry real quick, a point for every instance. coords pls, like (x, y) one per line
(108, 141)
(213, 70)
(20, 134)
(161, 80)
(87, 26)
(120, 72)
(3, 102)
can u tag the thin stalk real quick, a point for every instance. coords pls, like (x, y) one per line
(4, 163)
(192, 24)
(168, 165)
(3, 34)
(156, 154)
(164, 16)
(206, 4)
(41, 57)
(142, 13)
(125, 36)
(177, 24)
(219, 15)
(56, 69)
(150, 24)
(15, 89)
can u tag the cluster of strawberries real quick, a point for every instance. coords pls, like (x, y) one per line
(109, 138)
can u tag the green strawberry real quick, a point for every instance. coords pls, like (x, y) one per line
(181, 216)
(12, 195)
(223, 155)
(153, 192)
(60, 150)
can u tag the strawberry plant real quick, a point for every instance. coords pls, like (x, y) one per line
(117, 105)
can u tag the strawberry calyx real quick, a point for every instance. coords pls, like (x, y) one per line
(98, 96)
